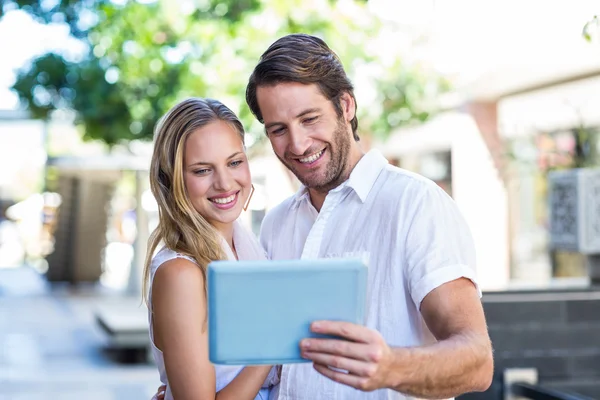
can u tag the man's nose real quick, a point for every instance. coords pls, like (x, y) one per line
(299, 142)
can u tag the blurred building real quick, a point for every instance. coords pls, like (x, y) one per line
(22, 159)
(504, 128)
(22, 154)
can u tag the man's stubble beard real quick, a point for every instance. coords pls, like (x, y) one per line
(335, 170)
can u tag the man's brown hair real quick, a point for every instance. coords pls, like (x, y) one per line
(304, 59)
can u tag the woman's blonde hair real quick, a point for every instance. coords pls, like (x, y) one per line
(181, 228)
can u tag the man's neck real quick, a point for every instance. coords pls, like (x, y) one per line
(317, 197)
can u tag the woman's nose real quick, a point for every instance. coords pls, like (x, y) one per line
(223, 181)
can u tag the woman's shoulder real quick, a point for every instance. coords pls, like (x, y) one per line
(166, 255)
(174, 277)
(176, 273)
(179, 270)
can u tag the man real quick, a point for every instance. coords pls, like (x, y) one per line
(425, 333)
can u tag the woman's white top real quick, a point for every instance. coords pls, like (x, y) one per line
(247, 248)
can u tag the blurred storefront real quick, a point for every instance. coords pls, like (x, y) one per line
(549, 127)
(493, 157)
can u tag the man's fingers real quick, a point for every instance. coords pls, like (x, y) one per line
(354, 367)
(344, 378)
(356, 333)
(337, 347)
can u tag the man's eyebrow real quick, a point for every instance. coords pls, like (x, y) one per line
(309, 111)
(303, 113)
(272, 124)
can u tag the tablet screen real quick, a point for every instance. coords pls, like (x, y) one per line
(258, 311)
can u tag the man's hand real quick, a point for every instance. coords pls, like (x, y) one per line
(364, 355)
(160, 393)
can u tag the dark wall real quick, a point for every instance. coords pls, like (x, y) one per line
(556, 332)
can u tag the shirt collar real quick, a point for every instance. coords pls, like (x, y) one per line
(362, 178)
(300, 195)
(365, 173)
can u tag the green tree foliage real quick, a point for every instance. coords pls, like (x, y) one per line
(591, 29)
(143, 56)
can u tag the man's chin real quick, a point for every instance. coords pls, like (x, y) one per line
(315, 181)
(311, 182)
(318, 185)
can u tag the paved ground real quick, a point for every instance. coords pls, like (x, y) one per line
(50, 347)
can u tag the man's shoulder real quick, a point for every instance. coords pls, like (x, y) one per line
(399, 182)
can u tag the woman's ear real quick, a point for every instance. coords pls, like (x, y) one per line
(348, 106)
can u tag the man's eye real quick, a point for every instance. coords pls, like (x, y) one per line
(310, 120)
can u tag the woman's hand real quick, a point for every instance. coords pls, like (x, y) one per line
(160, 393)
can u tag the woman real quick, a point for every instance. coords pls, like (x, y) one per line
(200, 179)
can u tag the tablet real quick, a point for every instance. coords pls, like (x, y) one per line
(258, 311)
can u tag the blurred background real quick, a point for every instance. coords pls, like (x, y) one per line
(496, 101)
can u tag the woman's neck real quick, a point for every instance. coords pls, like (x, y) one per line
(226, 230)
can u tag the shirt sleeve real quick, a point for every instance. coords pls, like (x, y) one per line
(439, 245)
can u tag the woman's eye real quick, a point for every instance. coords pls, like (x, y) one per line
(201, 171)
(236, 163)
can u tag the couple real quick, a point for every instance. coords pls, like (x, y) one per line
(425, 334)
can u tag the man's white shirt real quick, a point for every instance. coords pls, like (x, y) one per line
(408, 231)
